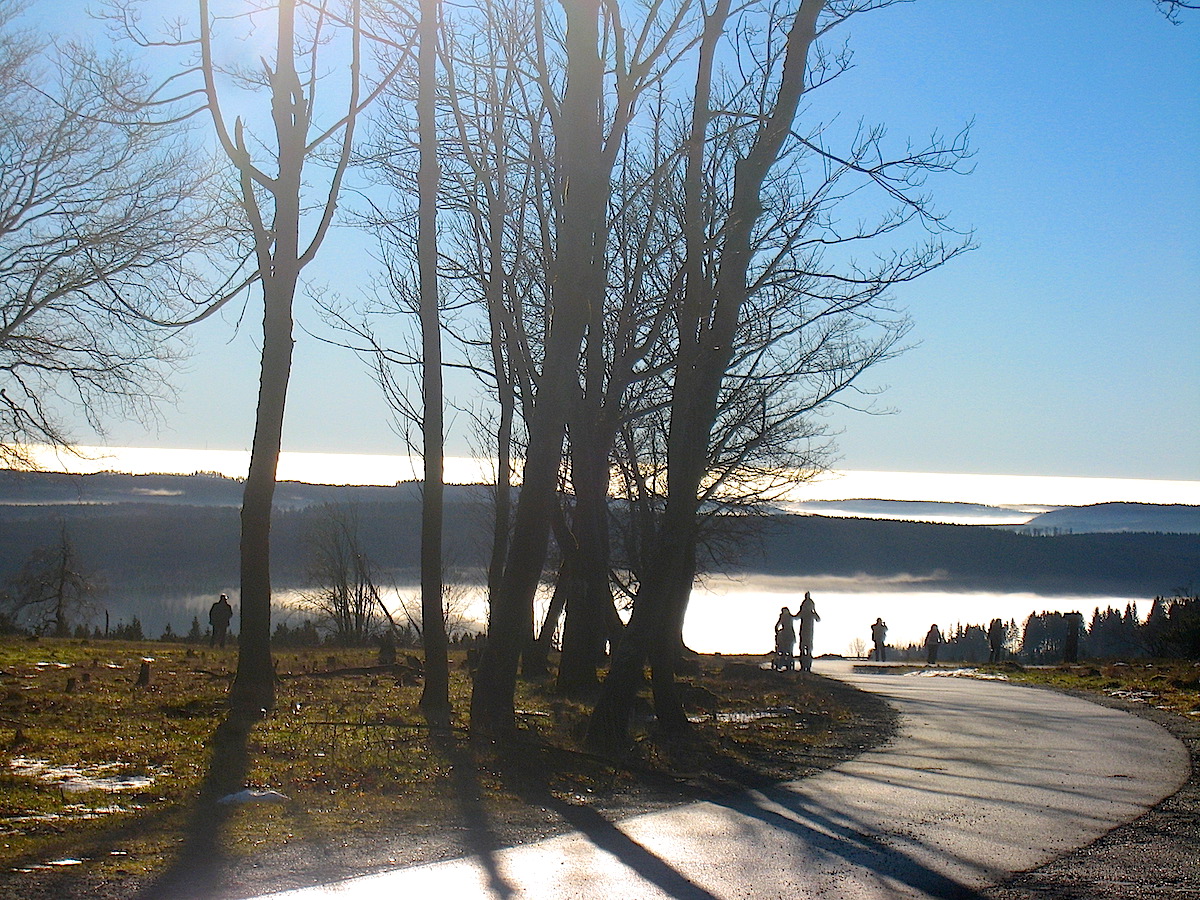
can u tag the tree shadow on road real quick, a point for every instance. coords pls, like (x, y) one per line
(202, 862)
(521, 774)
(482, 839)
(832, 832)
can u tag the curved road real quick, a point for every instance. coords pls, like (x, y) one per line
(984, 779)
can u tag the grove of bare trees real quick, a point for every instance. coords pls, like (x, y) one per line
(624, 221)
(615, 218)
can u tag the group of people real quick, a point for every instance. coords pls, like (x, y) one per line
(785, 635)
(933, 640)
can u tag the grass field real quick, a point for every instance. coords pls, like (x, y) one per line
(106, 783)
(1167, 684)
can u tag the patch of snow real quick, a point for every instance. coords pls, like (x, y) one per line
(74, 780)
(1134, 696)
(959, 673)
(746, 717)
(251, 796)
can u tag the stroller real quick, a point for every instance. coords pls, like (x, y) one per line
(785, 640)
(783, 660)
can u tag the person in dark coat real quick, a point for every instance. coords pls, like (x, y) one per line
(785, 640)
(879, 637)
(219, 616)
(996, 635)
(933, 640)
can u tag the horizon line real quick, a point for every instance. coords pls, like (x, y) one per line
(367, 469)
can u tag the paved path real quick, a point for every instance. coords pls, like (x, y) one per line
(984, 779)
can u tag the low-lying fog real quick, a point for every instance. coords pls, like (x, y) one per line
(727, 615)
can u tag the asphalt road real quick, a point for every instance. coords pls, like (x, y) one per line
(985, 779)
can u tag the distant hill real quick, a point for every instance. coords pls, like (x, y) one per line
(152, 538)
(1112, 518)
(916, 511)
(53, 488)
(974, 558)
(158, 530)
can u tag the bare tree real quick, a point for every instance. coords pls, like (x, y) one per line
(107, 221)
(435, 697)
(608, 65)
(344, 592)
(288, 210)
(754, 233)
(50, 588)
(1172, 8)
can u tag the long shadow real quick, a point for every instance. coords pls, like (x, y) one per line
(829, 832)
(608, 837)
(826, 830)
(604, 834)
(202, 862)
(481, 837)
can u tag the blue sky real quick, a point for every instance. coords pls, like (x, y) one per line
(1066, 344)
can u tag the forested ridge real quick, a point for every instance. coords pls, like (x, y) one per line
(975, 557)
(179, 535)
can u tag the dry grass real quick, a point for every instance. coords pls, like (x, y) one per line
(1166, 684)
(366, 786)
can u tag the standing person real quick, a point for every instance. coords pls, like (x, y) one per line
(878, 637)
(932, 641)
(785, 639)
(808, 618)
(996, 634)
(219, 616)
(1074, 623)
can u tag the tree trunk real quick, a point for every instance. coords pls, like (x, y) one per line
(435, 697)
(253, 687)
(585, 631)
(510, 626)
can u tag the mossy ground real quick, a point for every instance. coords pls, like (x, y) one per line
(366, 784)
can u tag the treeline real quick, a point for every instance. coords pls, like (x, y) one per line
(193, 549)
(1170, 629)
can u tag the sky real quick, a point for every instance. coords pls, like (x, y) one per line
(1064, 345)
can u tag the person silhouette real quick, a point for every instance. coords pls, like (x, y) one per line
(219, 616)
(808, 618)
(932, 641)
(996, 635)
(1074, 623)
(878, 637)
(785, 639)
